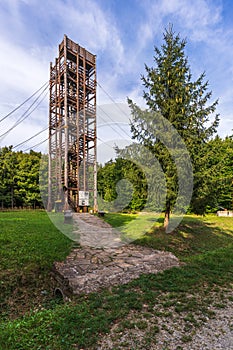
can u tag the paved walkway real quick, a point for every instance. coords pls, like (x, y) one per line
(94, 232)
(103, 260)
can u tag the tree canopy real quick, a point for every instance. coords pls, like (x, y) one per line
(19, 174)
(171, 92)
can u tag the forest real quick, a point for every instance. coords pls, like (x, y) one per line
(19, 173)
(216, 178)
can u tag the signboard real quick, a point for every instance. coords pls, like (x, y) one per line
(83, 198)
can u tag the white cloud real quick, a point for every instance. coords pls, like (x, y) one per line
(21, 70)
(31, 31)
(26, 67)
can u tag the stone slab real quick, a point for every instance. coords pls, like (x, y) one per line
(89, 269)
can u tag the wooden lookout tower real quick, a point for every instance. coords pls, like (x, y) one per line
(72, 182)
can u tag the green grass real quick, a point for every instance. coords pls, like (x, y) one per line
(29, 244)
(133, 226)
(193, 236)
(34, 320)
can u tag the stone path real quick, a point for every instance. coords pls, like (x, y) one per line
(103, 260)
(91, 231)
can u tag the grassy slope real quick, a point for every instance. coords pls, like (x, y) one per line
(30, 244)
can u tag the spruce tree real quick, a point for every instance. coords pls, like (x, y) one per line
(170, 91)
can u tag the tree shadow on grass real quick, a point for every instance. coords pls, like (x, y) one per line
(119, 219)
(193, 236)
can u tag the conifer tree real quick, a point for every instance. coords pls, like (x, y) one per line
(170, 91)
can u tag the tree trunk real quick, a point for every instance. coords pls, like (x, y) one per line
(12, 197)
(167, 215)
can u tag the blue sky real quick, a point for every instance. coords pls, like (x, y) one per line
(122, 34)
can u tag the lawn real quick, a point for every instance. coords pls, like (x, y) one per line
(29, 244)
(32, 319)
